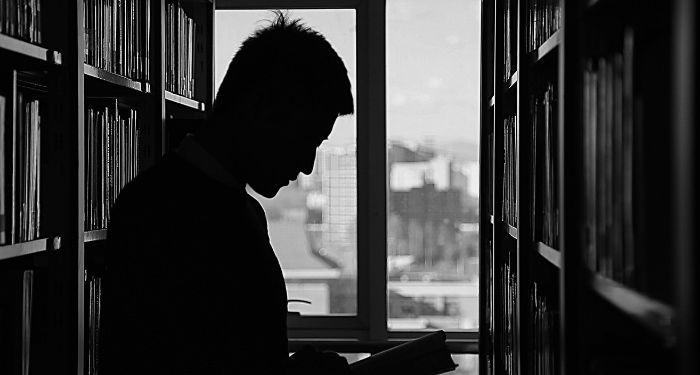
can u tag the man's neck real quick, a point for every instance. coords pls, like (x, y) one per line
(223, 150)
(200, 156)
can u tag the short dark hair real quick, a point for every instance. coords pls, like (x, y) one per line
(286, 56)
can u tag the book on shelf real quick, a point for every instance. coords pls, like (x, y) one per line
(544, 177)
(543, 20)
(489, 307)
(491, 166)
(427, 355)
(20, 162)
(21, 19)
(112, 138)
(510, 32)
(543, 328)
(609, 148)
(116, 36)
(510, 207)
(506, 295)
(93, 320)
(3, 209)
(23, 322)
(180, 34)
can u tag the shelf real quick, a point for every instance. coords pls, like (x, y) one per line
(29, 247)
(116, 79)
(550, 254)
(96, 235)
(512, 231)
(29, 50)
(548, 47)
(657, 316)
(183, 101)
(512, 81)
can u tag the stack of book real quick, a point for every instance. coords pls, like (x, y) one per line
(506, 317)
(21, 19)
(180, 31)
(116, 36)
(93, 321)
(609, 181)
(544, 333)
(111, 157)
(543, 20)
(510, 204)
(544, 167)
(510, 36)
(20, 169)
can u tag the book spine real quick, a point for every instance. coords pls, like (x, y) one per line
(3, 150)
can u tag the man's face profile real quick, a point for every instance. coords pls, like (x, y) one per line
(288, 150)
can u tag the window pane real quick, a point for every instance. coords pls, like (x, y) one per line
(433, 52)
(311, 222)
(468, 364)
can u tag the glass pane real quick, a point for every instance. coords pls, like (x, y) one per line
(433, 52)
(311, 222)
(468, 364)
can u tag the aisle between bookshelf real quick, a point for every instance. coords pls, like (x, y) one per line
(658, 317)
(29, 51)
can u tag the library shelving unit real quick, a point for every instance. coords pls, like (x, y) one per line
(589, 174)
(88, 90)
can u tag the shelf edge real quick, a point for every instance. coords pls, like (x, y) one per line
(12, 44)
(95, 235)
(550, 45)
(512, 231)
(112, 78)
(24, 248)
(655, 315)
(550, 254)
(187, 102)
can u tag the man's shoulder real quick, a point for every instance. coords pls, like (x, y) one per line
(155, 183)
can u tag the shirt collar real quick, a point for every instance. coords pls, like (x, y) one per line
(200, 158)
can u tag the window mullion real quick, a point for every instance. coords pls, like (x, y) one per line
(372, 178)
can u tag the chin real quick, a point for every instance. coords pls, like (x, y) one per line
(267, 191)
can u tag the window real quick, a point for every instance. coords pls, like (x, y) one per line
(433, 166)
(414, 66)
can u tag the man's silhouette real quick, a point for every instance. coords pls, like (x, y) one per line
(191, 283)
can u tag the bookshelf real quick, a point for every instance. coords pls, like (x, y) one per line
(77, 73)
(591, 273)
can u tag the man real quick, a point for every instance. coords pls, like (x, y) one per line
(191, 283)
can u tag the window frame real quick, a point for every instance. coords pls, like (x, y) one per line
(367, 331)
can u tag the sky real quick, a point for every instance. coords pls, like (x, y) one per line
(432, 64)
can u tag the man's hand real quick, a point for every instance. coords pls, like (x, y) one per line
(309, 361)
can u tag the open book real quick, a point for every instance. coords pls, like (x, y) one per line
(427, 355)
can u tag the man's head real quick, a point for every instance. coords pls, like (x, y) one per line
(280, 97)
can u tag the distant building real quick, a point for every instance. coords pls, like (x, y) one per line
(338, 179)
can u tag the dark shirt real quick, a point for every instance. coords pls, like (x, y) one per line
(191, 283)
